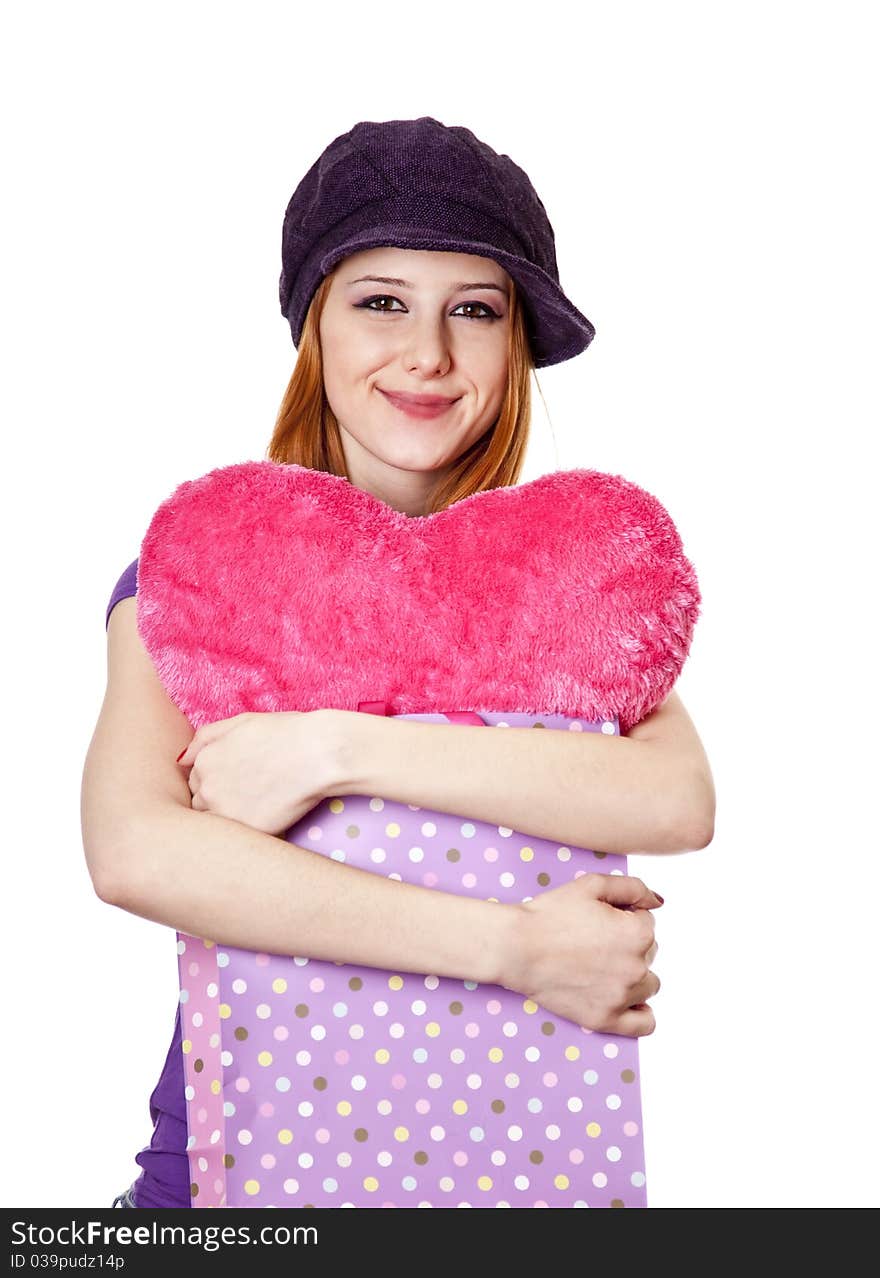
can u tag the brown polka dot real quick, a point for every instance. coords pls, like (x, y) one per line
(301, 1009)
(617, 1202)
(319, 1084)
(628, 1075)
(543, 878)
(539, 725)
(308, 1205)
(453, 854)
(352, 831)
(355, 983)
(536, 1156)
(547, 1027)
(420, 1157)
(240, 1033)
(498, 1107)
(600, 856)
(229, 1160)
(360, 1133)
(193, 1190)
(456, 1008)
(198, 1065)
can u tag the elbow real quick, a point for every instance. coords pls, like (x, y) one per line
(700, 825)
(105, 881)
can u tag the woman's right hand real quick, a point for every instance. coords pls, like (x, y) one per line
(584, 951)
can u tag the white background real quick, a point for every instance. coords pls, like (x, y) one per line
(709, 173)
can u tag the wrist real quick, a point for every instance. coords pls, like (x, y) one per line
(349, 745)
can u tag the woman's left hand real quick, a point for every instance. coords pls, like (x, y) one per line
(264, 770)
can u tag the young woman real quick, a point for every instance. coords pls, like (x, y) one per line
(421, 287)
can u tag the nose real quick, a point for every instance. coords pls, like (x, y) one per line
(426, 347)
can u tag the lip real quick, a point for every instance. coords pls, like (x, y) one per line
(420, 405)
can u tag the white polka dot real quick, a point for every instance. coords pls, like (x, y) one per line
(380, 1008)
(416, 854)
(637, 1179)
(358, 1082)
(612, 1153)
(429, 829)
(474, 1081)
(377, 855)
(468, 830)
(611, 1050)
(318, 1032)
(612, 1101)
(305, 1109)
(514, 1132)
(305, 1160)
(575, 1104)
(418, 1007)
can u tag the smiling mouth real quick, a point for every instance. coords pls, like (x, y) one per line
(416, 406)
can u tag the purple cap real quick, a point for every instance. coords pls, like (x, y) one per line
(421, 184)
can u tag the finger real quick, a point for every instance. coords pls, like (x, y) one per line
(645, 989)
(651, 953)
(206, 733)
(636, 1021)
(624, 889)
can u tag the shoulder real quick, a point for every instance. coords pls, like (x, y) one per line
(125, 586)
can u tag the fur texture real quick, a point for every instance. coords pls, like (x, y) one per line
(266, 587)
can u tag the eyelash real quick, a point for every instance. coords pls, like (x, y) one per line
(381, 297)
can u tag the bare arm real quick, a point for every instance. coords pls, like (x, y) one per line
(573, 949)
(650, 791)
(149, 853)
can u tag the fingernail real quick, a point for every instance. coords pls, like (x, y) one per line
(182, 753)
(659, 897)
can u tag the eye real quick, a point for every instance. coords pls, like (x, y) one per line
(368, 305)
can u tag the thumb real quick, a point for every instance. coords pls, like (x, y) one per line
(627, 890)
(206, 733)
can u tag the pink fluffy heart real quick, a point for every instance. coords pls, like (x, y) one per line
(263, 587)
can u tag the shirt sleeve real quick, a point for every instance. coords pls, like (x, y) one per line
(125, 586)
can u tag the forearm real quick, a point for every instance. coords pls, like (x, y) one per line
(580, 788)
(211, 877)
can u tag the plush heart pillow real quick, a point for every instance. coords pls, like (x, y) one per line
(264, 586)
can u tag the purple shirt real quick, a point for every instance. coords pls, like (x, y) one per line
(164, 1180)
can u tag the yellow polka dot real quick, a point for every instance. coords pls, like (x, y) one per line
(392, 829)
(209, 945)
(432, 1029)
(560, 1181)
(495, 1054)
(186, 1045)
(382, 1056)
(215, 1086)
(593, 1129)
(526, 854)
(336, 805)
(401, 1133)
(492, 898)
(265, 1058)
(371, 1184)
(285, 1136)
(344, 1108)
(530, 1006)
(279, 985)
(459, 1107)
(225, 1011)
(395, 982)
(572, 1053)
(251, 1186)
(485, 1182)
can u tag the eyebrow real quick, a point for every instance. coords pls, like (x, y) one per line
(456, 288)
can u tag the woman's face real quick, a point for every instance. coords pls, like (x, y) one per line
(426, 323)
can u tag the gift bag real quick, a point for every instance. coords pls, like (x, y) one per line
(321, 1084)
(565, 604)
